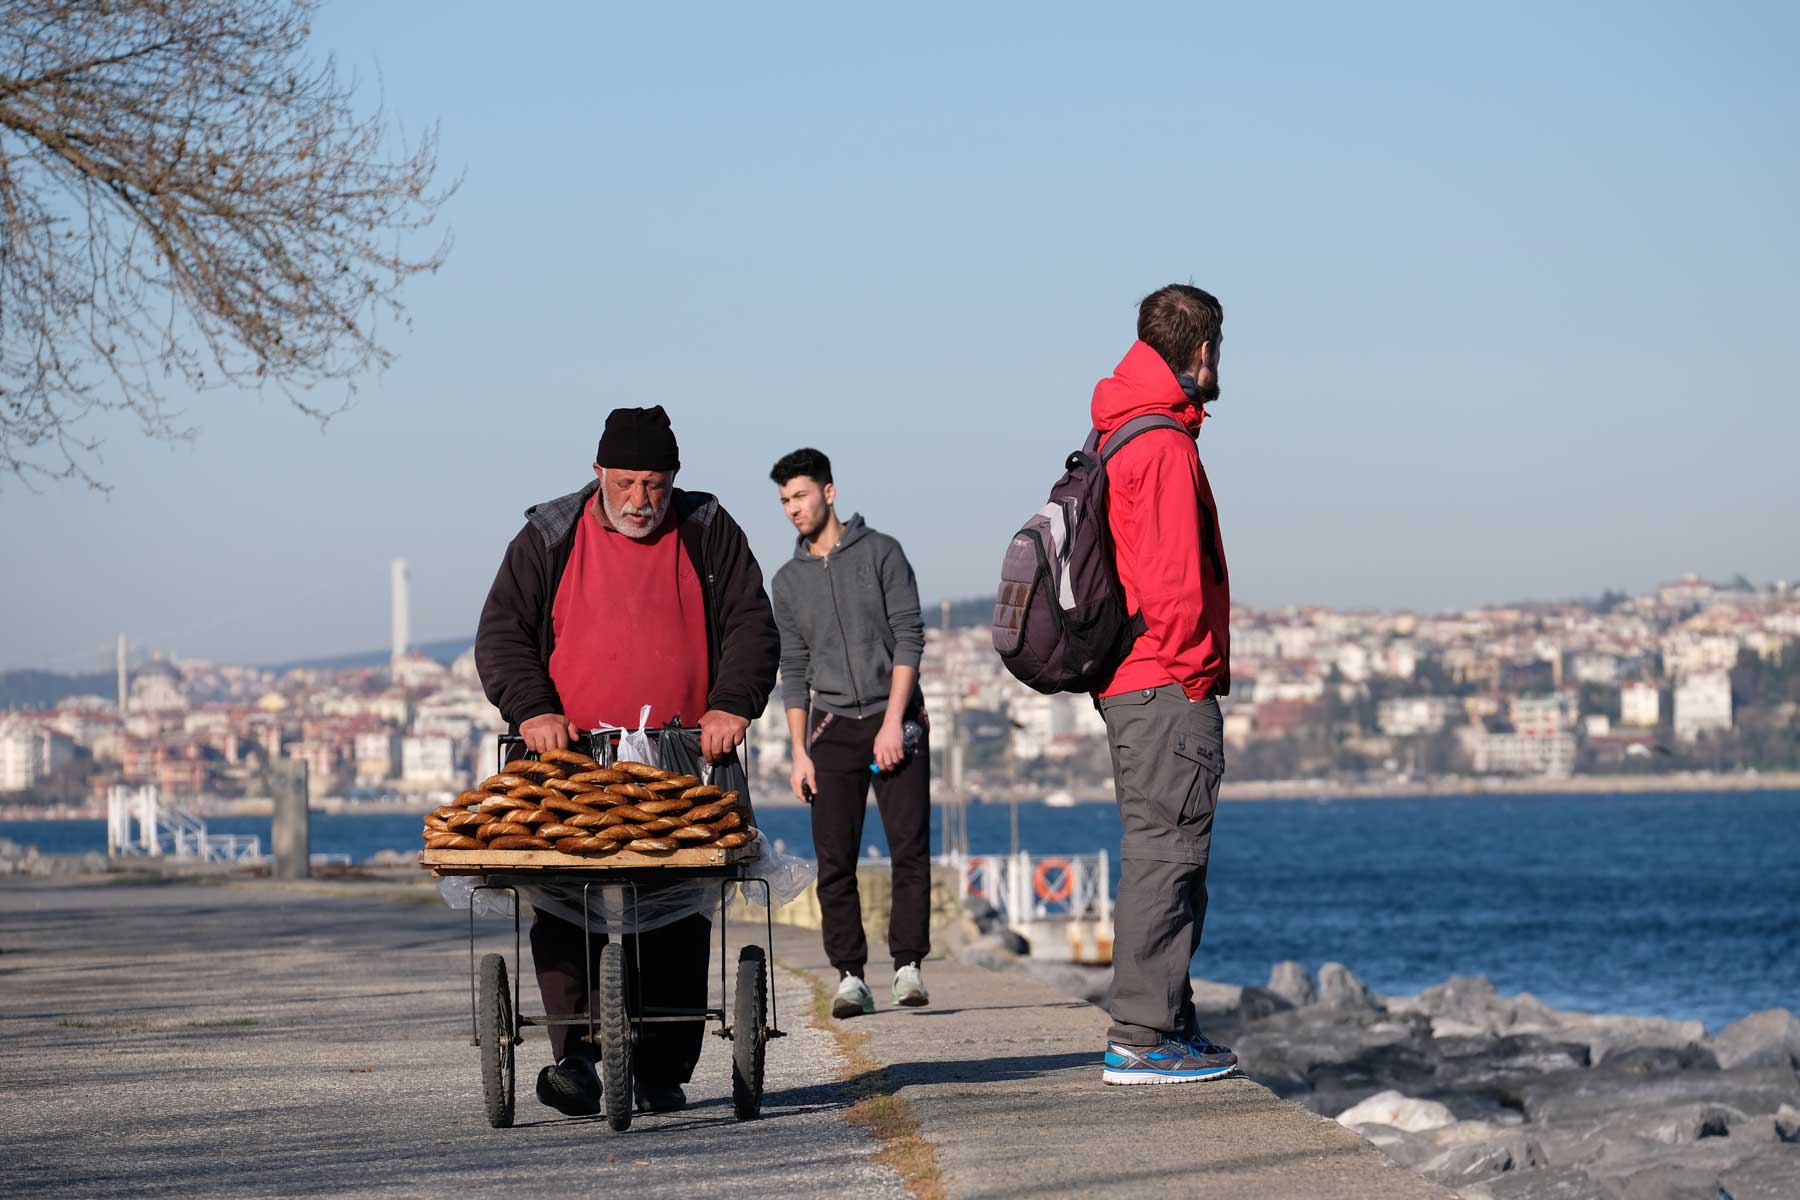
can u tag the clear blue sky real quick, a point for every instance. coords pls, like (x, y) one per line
(1511, 296)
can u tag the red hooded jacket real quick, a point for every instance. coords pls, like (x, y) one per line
(1165, 535)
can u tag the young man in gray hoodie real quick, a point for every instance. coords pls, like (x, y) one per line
(851, 640)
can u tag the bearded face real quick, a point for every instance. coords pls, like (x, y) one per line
(635, 502)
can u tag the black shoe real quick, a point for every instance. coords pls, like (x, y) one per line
(664, 1097)
(570, 1087)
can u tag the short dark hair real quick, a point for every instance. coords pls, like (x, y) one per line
(1175, 321)
(804, 461)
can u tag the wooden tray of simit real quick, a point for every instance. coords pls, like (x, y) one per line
(478, 862)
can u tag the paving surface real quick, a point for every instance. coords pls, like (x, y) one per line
(1004, 1077)
(122, 1071)
(190, 1039)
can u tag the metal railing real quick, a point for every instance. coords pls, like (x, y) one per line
(166, 830)
(1024, 887)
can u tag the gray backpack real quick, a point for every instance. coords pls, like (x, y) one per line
(1060, 623)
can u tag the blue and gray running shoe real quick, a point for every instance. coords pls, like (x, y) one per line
(1176, 1060)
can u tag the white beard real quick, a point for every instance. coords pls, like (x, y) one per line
(616, 517)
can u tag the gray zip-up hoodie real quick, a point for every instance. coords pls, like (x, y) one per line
(846, 620)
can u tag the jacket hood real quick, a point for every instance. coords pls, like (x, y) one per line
(1142, 384)
(853, 533)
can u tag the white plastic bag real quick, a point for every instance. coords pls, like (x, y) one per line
(638, 747)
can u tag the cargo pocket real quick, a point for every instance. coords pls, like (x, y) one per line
(1206, 764)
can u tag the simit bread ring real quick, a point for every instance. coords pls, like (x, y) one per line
(536, 768)
(700, 814)
(445, 812)
(451, 841)
(651, 845)
(586, 820)
(644, 771)
(502, 781)
(728, 840)
(728, 820)
(628, 812)
(621, 833)
(470, 821)
(694, 833)
(529, 791)
(504, 804)
(630, 791)
(500, 829)
(468, 798)
(701, 794)
(664, 825)
(557, 831)
(520, 843)
(601, 775)
(666, 806)
(568, 758)
(537, 816)
(685, 781)
(564, 804)
(571, 787)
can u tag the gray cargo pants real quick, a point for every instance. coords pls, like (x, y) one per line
(1168, 755)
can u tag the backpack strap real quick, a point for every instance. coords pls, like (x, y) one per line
(1135, 623)
(1129, 430)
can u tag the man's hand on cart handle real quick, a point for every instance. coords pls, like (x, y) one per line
(720, 734)
(552, 731)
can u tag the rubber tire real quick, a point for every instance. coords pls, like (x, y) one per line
(615, 1039)
(749, 1033)
(494, 1026)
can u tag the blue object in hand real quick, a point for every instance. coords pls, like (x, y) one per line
(911, 733)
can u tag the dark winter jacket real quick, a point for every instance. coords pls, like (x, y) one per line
(847, 620)
(515, 637)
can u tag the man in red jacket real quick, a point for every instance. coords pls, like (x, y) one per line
(1160, 707)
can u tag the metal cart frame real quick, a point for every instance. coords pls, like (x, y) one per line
(616, 1016)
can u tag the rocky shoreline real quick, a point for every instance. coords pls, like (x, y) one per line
(1503, 1097)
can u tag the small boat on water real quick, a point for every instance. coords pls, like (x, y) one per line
(1059, 800)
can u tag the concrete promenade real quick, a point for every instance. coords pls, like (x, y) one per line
(201, 1039)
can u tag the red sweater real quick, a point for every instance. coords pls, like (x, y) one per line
(1166, 539)
(630, 624)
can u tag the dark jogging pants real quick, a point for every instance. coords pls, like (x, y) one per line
(675, 964)
(842, 749)
(1168, 757)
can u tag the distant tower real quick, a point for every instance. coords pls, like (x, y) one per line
(399, 577)
(121, 677)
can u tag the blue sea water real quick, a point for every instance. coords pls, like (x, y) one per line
(1675, 905)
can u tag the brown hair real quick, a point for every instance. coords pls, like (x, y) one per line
(1175, 321)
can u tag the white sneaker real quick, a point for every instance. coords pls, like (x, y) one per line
(853, 998)
(909, 987)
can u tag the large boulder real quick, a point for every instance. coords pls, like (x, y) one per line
(1766, 1039)
(1293, 983)
(1342, 990)
(1254, 1003)
(1655, 1060)
(1398, 1110)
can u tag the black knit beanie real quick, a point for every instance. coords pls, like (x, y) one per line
(638, 439)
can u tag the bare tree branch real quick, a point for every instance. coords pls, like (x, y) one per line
(186, 198)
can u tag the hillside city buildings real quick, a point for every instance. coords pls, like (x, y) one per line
(1694, 674)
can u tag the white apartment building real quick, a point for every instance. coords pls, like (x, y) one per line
(1407, 716)
(1702, 705)
(1519, 753)
(1686, 653)
(1640, 705)
(29, 752)
(377, 758)
(1542, 716)
(427, 760)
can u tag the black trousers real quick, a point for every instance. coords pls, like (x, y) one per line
(842, 749)
(675, 957)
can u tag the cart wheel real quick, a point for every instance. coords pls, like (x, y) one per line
(495, 1028)
(615, 1038)
(750, 1033)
